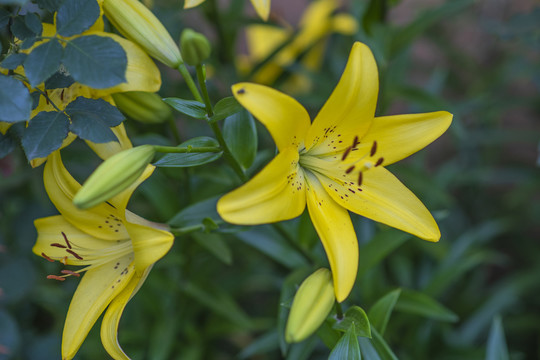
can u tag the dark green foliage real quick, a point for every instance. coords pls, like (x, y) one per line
(75, 16)
(43, 61)
(45, 134)
(189, 159)
(15, 100)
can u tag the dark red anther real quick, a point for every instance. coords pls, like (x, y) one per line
(360, 178)
(74, 254)
(58, 245)
(355, 142)
(379, 162)
(62, 95)
(346, 153)
(349, 170)
(241, 91)
(66, 239)
(373, 149)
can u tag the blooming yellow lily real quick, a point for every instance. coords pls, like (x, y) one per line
(317, 23)
(335, 164)
(116, 248)
(141, 75)
(262, 7)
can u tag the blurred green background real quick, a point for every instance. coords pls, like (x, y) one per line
(217, 296)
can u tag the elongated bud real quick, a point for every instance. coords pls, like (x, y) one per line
(311, 305)
(143, 106)
(195, 47)
(137, 23)
(113, 176)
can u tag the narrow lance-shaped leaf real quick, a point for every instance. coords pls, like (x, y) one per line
(192, 108)
(240, 134)
(496, 344)
(189, 159)
(347, 347)
(380, 312)
(414, 302)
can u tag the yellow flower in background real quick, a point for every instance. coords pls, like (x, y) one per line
(137, 23)
(336, 164)
(115, 248)
(317, 23)
(262, 7)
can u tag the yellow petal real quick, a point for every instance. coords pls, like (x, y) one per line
(4, 126)
(111, 319)
(55, 230)
(276, 193)
(351, 107)
(106, 150)
(334, 226)
(399, 136)
(262, 7)
(344, 24)
(188, 4)
(149, 243)
(101, 221)
(98, 287)
(282, 115)
(384, 199)
(263, 39)
(142, 74)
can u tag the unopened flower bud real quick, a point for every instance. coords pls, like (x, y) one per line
(311, 305)
(137, 23)
(113, 176)
(195, 47)
(143, 106)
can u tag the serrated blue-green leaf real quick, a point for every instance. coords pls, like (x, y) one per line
(192, 108)
(226, 107)
(12, 61)
(43, 61)
(19, 28)
(91, 119)
(75, 16)
(4, 17)
(96, 61)
(45, 134)
(380, 312)
(347, 347)
(58, 81)
(240, 134)
(51, 5)
(33, 22)
(358, 316)
(191, 158)
(15, 100)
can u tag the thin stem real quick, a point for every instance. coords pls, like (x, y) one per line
(306, 255)
(202, 84)
(189, 81)
(339, 311)
(44, 93)
(187, 149)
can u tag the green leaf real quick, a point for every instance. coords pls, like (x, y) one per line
(382, 347)
(4, 18)
(262, 345)
(378, 248)
(96, 61)
(374, 15)
(14, 60)
(357, 316)
(191, 108)
(7, 144)
(58, 80)
(15, 100)
(51, 5)
(43, 61)
(380, 312)
(225, 108)
(328, 335)
(196, 213)
(414, 302)
(91, 119)
(496, 344)
(240, 134)
(191, 159)
(44, 134)
(215, 244)
(347, 347)
(75, 16)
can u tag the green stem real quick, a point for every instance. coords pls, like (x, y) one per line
(306, 255)
(187, 149)
(339, 311)
(189, 81)
(202, 84)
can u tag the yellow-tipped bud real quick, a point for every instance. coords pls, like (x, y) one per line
(195, 47)
(311, 305)
(137, 23)
(113, 176)
(143, 106)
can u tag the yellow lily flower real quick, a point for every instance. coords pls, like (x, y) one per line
(142, 74)
(336, 164)
(116, 248)
(317, 23)
(262, 7)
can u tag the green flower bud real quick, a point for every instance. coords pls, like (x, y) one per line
(113, 176)
(195, 47)
(137, 23)
(143, 106)
(311, 305)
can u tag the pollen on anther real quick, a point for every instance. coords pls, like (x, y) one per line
(373, 148)
(46, 257)
(69, 272)
(56, 277)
